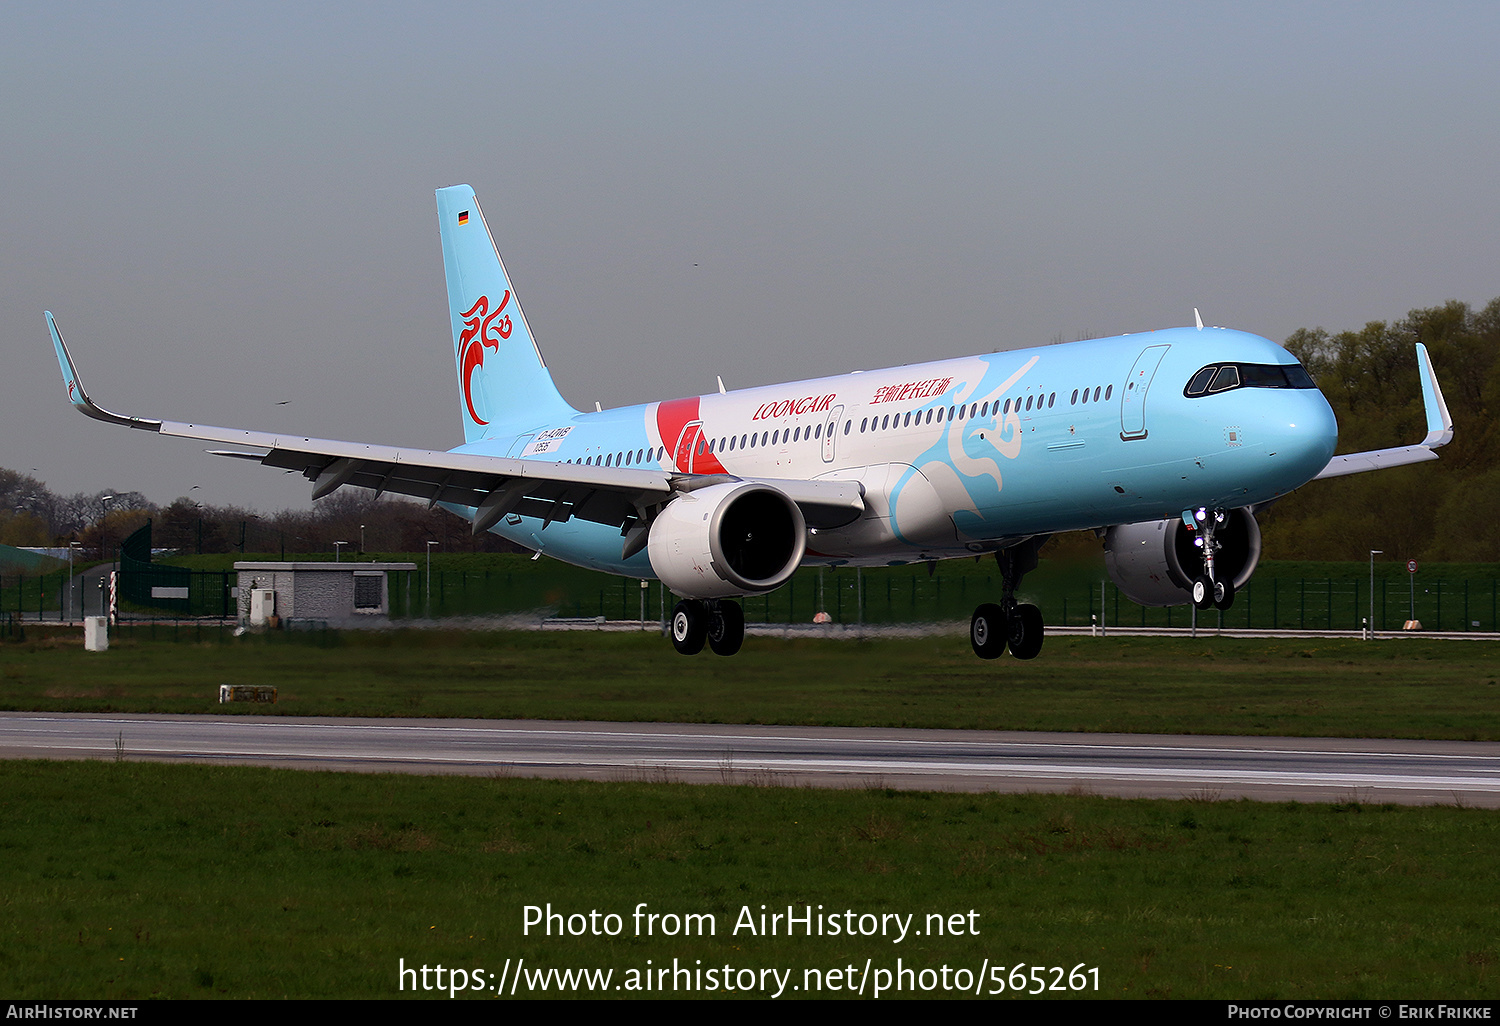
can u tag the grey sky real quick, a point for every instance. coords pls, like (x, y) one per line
(229, 208)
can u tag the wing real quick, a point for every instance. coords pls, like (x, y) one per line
(1439, 433)
(492, 486)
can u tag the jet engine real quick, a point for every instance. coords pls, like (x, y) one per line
(1154, 563)
(737, 538)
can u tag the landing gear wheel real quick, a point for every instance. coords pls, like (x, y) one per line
(689, 627)
(987, 631)
(1025, 632)
(1203, 592)
(1223, 594)
(726, 628)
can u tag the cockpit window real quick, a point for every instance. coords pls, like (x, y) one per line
(1221, 377)
(1200, 381)
(1227, 378)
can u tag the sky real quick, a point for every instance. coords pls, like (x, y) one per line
(229, 208)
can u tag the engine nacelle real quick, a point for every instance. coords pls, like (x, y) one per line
(1154, 563)
(737, 538)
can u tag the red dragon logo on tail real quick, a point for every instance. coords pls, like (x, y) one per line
(480, 330)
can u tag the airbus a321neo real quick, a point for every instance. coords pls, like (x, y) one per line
(1165, 443)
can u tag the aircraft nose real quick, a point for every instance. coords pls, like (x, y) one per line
(1309, 433)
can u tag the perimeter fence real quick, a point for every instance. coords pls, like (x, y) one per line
(884, 596)
(901, 595)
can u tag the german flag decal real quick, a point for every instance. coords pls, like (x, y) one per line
(463, 217)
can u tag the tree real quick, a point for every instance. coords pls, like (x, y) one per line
(1370, 379)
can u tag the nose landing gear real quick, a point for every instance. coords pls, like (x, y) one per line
(1208, 589)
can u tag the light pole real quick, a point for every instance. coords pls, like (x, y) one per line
(1373, 554)
(71, 546)
(361, 539)
(338, 548)
(430, 544)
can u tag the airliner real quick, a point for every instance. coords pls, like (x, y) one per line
(1164, 443)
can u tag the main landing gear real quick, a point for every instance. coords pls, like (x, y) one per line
(1208, 589)
(1011, 624)
(720, 622)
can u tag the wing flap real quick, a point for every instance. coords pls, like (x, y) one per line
(553, 492)
(605, 495)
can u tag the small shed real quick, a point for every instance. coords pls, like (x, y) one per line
(339, 594)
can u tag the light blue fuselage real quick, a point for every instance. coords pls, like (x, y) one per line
(965, 455)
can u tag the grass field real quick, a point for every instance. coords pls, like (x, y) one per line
(1406, 687)
(135, 880)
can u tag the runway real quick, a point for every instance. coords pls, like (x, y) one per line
(1271, 769)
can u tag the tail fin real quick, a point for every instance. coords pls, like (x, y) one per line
(503, 382)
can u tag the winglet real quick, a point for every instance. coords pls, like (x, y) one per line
(1439, 423)
(1439, 432)
(79, 397)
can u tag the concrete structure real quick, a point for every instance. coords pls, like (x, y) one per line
(339, 594)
